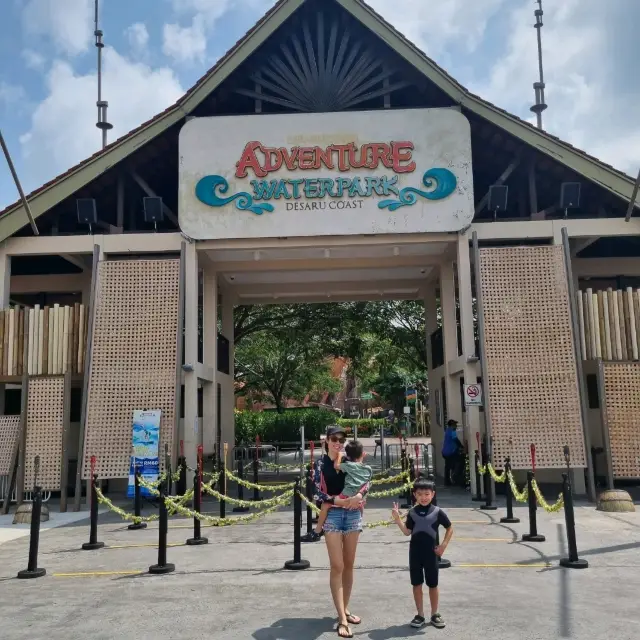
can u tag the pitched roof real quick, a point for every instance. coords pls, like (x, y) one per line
(584, 164)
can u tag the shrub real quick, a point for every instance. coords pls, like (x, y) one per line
(366, 426)
(281, 427)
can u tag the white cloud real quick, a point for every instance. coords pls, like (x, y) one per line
(67, 23)
(433, 26)
(33, 59)
(63, 130)
(137, 35)
(585, 109)
(185, 44)
(207, 10)
(10, 94)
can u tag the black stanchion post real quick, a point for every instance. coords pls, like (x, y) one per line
(478, 496)
(488, 504)
(93, 543)
(137, 502)
(223, 488)
(573, 561)
(509, 518)
(256, 466)
(181, 484)
(163, 566)
(167, 466)
(533, 535)
(297, 563)
(408, 503)
(443, 563)
(403, 466)
(197, 507)
(240, 509)
(309, 496)
(309, 535)
(32, 570)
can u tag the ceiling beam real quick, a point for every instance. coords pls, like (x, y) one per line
(357, 287)
(77, 261)
(326, 264)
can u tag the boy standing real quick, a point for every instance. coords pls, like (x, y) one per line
(422, 525)
(356, 474)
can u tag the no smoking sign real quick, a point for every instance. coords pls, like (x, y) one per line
(473, 395)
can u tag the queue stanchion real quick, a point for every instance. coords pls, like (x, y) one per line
(533, 535)
(309, 536)
(488, 504)
(256, 468)
(32, 570)
(403, 465)
(137, 502)
(314, 516)
(509, 518)
(297, 563)
(239, 508)
(181, 484)
(408, 494)
(443, 563)
(198, 538)
(167, 466)
(476, 456)
(162, 566)
(93, 543)
(223, 483)
(573, 561)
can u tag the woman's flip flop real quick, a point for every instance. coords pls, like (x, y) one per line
(351, 619)
(346, 628)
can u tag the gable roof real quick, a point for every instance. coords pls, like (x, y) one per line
(14, 217)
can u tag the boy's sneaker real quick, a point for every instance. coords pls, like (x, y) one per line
(418, 622)
(437, 621)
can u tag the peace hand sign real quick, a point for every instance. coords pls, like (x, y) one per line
(395, 513)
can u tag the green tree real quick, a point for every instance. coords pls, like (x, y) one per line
(278, 365)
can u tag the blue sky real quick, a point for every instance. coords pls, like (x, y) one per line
(156, 49)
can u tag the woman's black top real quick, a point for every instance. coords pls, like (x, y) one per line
(334, 481)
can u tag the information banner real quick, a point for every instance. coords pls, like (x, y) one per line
(146, 438)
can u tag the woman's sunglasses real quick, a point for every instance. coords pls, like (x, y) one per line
(337, 439)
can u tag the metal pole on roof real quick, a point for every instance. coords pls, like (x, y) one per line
(25, 204)
(102, 105)
(538, 87)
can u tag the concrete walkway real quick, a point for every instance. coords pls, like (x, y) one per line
(236, 588)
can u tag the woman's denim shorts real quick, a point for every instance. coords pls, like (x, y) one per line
(343, 520)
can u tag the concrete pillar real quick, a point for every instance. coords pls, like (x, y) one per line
(191, 432)
(209, 359)
(431, 324)
(465, 296)
(450, 335)
(226, 381)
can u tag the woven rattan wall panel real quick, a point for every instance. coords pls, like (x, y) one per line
(45, 429)
(133, 361)
(622, 409)
(531, 369)
(9, 433)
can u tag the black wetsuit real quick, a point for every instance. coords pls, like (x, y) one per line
(423, 522)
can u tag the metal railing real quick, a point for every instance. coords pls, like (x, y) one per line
(27, 495)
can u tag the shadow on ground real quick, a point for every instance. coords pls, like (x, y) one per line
(295, 629)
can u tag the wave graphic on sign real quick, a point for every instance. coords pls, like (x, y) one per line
(441, 182)
(207, 192)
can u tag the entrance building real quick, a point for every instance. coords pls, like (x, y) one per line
(324, 158)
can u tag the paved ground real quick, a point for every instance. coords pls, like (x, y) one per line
(236, 588)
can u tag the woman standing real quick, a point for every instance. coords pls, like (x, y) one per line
(342, 527)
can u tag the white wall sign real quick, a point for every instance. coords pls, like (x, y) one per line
(373, 172)
(473, 395)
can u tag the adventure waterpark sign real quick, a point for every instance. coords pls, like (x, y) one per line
(405, 171)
